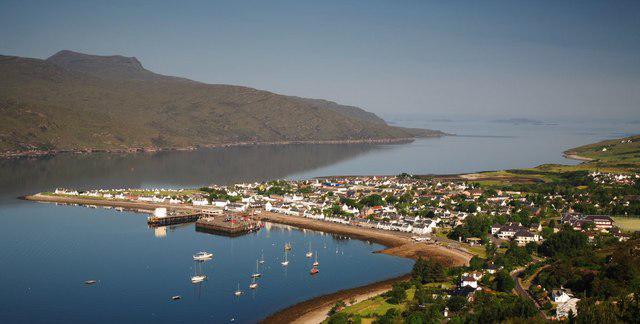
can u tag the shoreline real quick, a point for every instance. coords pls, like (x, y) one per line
(45, 153)
(315, 310)
(574, 156)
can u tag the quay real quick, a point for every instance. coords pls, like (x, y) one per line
(154, 221)
(230, 225)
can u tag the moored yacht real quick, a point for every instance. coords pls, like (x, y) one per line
(203, 256)
(198, 278)
(256, 274)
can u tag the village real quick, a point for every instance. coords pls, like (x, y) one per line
(427, 209)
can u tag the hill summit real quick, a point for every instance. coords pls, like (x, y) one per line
(80, 102)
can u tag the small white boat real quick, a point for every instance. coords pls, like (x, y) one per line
(286, 260)
(262, 259)
(90, 282)
(176, 297)
(256, 274)
(253, 284)
(238, 292)
(316, 263)
(202, 256)
(309, 254)
(198, 279)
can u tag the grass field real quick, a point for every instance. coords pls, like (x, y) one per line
(628, 224)
(375, 306)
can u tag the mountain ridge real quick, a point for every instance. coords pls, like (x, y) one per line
(80, 102)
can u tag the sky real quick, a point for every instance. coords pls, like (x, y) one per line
(498, 59)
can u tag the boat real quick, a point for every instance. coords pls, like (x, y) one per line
(309, 253)
(286, 260)
(198, 279)
(253, 284)
(176, 297)
(256, 274)
(90, 282)
(202, 256)
(238, 292)
(262, 258)
(316, 263)
(314, 270)
(287, 247)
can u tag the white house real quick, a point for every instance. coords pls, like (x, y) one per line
(220, 203)
(561, 295)
(200, 202)
(469, 281)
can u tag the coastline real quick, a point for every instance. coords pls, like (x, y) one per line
(44, 153)
(315, 310)
(574, 156)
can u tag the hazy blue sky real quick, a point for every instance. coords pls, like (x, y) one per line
(513, 58)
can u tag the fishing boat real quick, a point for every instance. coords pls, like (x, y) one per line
(256, 274)
(202, 256)
(286, 260)
(238, 292)
(316, 263)
(253, 284)
(314, 270)
(309, 253)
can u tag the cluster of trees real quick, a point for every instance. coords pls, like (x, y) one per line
(610, 275)
(428, 271)
(496, 308)
(214, 194)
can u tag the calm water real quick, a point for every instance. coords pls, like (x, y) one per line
(48, 251)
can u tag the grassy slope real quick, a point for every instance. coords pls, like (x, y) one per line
(45, 106)
(622, 156)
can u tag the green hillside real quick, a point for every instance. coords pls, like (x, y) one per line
(74, 101)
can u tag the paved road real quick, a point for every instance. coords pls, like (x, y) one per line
(523, 292)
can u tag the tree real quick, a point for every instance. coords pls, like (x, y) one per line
(567, 242)
(397, 294)
(372, 200)
(503, 281)
(456, 303)
(426, 271)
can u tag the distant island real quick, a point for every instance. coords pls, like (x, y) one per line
(83, 103)
(523, 121)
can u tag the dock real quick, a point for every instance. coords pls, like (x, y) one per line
(154, 221)
(227, 224)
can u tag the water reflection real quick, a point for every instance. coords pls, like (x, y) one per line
(201, 167)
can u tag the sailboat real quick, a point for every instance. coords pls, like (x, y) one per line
(253, 284)
(314, 270)
(286, 260)
(197, 278)
(238, 292)
(316, 263)
(262, 258)
(309, 253)
(256, 274)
